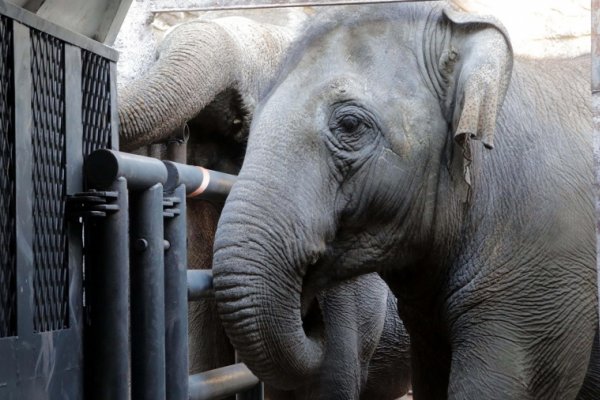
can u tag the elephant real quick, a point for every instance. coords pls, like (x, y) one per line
(407, 140)
(370, 357)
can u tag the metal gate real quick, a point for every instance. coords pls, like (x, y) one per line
(137, 281)
(57, 104)
(93, 284)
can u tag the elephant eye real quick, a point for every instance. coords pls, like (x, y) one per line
(352, 127)
(349, 123)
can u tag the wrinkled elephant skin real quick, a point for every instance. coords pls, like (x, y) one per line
(407, 140)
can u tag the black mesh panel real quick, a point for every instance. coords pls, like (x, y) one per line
(51, 274)
(8, 293)
(96, 111)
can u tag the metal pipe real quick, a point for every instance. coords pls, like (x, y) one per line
(177, 151)
(221, 382)
(283, 5)
(198, 181)
(177, 147)
(147, 295)
(254, 393)
(104, 166)
(107, 301)
(176, 302)
(199, 284)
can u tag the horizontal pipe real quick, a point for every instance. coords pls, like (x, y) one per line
(104, 166)
(198, 181)
(200, 284)
(282, 5)
(221, 382)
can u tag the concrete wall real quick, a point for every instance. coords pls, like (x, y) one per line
(538, 28)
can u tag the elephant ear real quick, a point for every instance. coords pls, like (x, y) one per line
(479, 61)
(482, 74)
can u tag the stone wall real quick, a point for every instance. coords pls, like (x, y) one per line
(538, 28)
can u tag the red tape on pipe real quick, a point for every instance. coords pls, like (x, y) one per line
(203, 185)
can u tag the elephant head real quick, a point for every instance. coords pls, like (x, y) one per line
(364, 136)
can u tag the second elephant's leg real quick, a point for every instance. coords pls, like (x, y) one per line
(354, 314)
(340, 377)
(389, 371)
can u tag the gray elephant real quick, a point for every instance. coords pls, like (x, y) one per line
(370, 357)
(407, 140)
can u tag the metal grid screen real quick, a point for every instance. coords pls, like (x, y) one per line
(51, 273)
(8, 293)
(96, 113)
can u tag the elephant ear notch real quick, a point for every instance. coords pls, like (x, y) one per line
(483, 62)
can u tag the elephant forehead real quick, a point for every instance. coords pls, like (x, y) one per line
(347, 65)
(364, 46)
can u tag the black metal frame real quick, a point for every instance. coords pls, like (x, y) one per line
(160, 282)
(96, 297)
(42, 351)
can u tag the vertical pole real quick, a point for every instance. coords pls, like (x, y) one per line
(114, 109)
(176, 302)
(74, 184)
(107, 302)
(23, 114)
(147, 295)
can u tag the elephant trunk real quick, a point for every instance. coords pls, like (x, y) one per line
(187, 76)
(259, 256)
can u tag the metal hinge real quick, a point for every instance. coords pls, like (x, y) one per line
(171, 207)
(92, 204)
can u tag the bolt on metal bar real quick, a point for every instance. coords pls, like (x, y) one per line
(221, 382)
(283, 5)
(198, 181)
(199, 284)
(176, 302)
(148, 375)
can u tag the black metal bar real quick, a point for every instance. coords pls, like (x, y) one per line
(114, 109)
(283, 5)
(176, 307)
(74, 184)
(24, 232)
(177, 151)
(147, 294)
(107, 298)
(221, 382)
(199, 181)
(23, 173)
(199, 284)
(105, 166)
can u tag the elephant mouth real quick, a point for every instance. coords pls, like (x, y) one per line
(313, 322)
(311, 313)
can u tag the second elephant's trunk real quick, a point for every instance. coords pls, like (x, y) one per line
(198, 60)
(181, 83)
